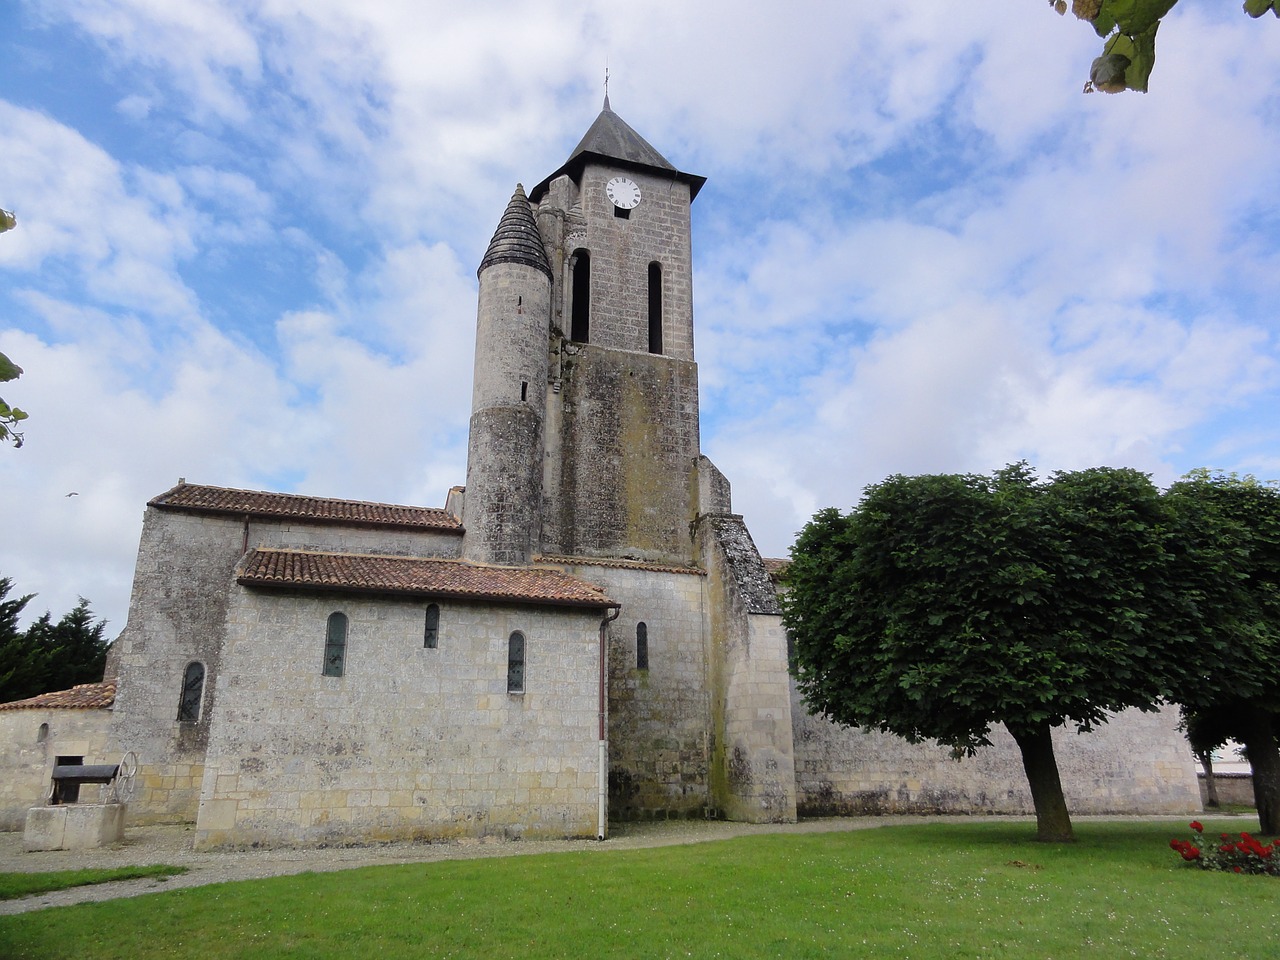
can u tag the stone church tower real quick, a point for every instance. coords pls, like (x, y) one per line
(584, 358)
(585, 455)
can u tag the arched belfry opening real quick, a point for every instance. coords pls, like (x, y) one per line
(655, 307)
(580, 307)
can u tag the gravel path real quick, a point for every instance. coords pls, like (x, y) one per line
(172, 845)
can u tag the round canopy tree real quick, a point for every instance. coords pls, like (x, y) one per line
(943, 605)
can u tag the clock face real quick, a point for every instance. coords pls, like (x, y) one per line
(624, 193)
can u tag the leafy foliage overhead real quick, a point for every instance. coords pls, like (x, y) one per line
(1129, 29)
(10, 416)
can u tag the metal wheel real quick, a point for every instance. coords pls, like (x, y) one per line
(124, 784)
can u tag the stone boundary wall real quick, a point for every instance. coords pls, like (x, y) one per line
(1138, 763)
(1233, 788)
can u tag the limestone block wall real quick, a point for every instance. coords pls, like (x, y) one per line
(177, 612)
(625, 446)
(659, 715)
(753, 772)
(410, 742)
(312, 536)
(31, 740)
(1136, 763)
(656, 231)
(509, 393)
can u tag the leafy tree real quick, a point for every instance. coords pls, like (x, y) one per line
(943, 605)
(10, 417)
(1205, 736)
(1229, 567)
(48, 656)
(18, 667)
(73, 649)
(1129, 29)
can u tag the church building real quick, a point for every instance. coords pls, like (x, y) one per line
(585, 631)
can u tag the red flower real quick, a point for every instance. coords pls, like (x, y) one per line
(1237, 869)
(1197, 826)
(1190, 853)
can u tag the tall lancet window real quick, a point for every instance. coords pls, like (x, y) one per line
(655, 307)
(335, 645)
(192, 692)
(580, 309)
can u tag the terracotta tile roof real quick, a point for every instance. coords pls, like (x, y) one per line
(416, 576)
(194, 498)
(84, 696)
(776, 566)
(619, 564)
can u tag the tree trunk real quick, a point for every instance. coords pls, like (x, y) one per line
(1264, 758)
(1053, 822)
(1210, 785)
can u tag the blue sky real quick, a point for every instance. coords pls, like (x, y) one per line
(248, 234)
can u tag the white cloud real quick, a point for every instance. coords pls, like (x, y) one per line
(921, 248)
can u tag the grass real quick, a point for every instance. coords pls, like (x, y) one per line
(941, 890)
(14, 885)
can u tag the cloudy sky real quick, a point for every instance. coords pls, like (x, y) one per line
(248, 233)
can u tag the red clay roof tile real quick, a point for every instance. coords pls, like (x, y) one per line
(194, 498)
(416, 576)
(84, 696)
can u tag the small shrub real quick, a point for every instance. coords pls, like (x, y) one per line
(1246, 855)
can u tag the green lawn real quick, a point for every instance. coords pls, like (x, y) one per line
(13, 885)
(932, 891)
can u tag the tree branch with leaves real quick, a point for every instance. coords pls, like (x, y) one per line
(1128, 28)
(10, 417)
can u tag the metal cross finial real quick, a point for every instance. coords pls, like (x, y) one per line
(606, 85)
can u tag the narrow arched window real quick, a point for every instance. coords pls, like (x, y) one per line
(580, 308)
(515, 663)
(335, 645)
(192, 692)
(431, 633)
(43, 733)
(642, 646)
(655, 307)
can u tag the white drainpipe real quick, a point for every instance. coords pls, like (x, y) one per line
(602, 822)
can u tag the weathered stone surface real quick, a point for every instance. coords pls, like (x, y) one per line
(74, 826)
(31, 740)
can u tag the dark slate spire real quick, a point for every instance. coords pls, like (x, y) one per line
(517, 239)
(612, 138)
(612, 141)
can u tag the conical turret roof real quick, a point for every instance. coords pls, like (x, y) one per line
(611, 140)
(517, 239)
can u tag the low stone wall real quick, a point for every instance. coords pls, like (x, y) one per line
(1234, 788)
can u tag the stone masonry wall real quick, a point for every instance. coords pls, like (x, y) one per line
(659, 719)
(1136, 763)
(658, 230)
(509, 393)
(176, 616)
(177, 612)
(753, 770)
(627, 445)
(27, 759)
(409, 742)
